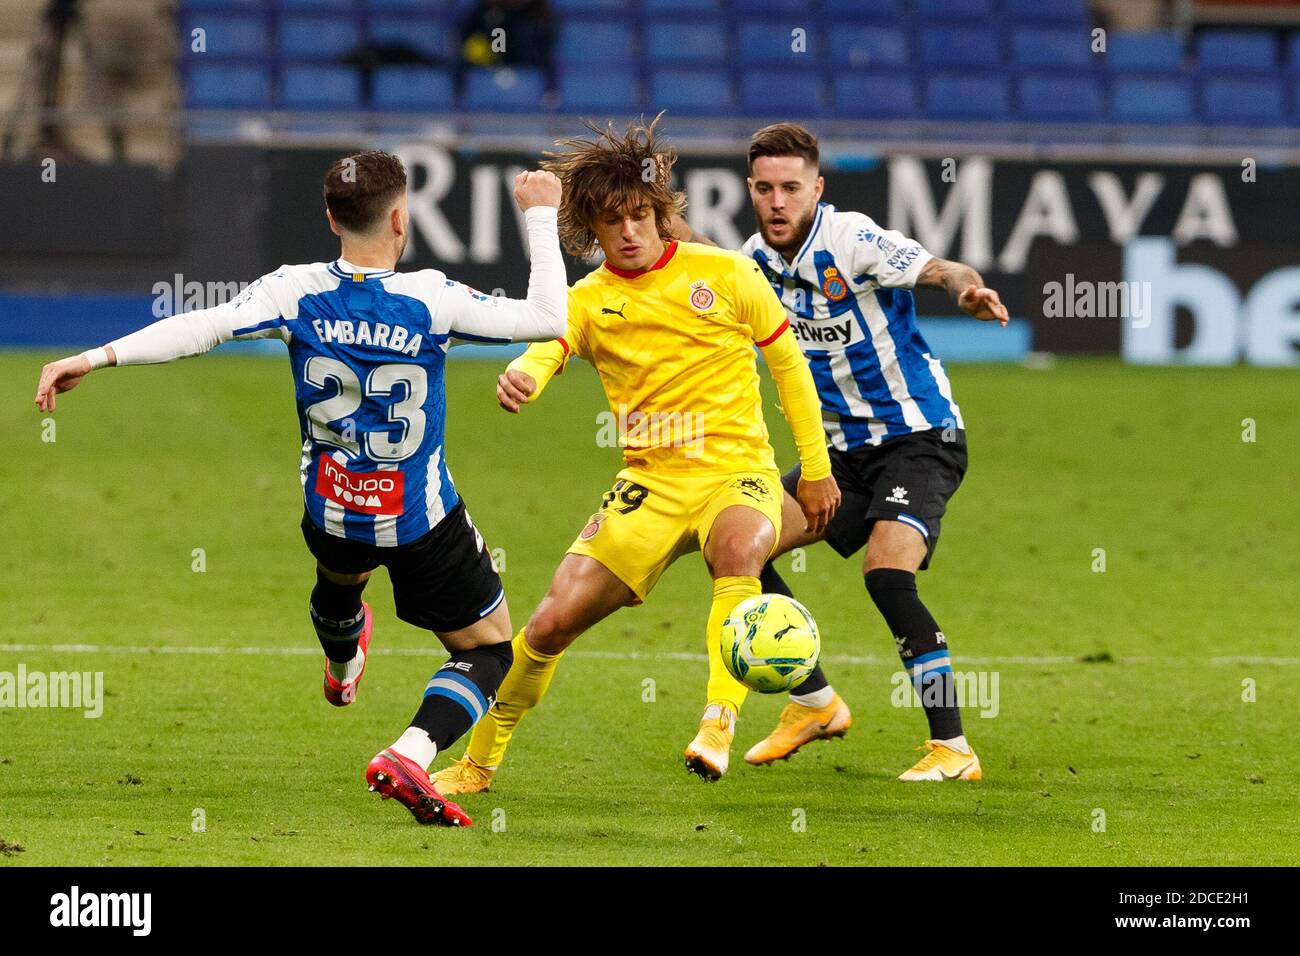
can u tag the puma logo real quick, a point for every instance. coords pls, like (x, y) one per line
(618, 311)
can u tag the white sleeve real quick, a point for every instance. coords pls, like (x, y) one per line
(886, 256)
(253, 314)
(472, 316)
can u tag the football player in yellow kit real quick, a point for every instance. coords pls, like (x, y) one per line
(671, 329)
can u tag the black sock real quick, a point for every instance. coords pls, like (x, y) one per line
(462, 691)
(773, 583)
(338, 617)
(920, 644)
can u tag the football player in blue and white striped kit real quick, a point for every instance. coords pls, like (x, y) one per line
(368, 349)
(897, 439)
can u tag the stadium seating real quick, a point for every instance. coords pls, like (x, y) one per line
(1143, 52)
(1052, 97)
(514, 90)
(676, 41)
(698, 92)
(228, 86)
(868, 47)
(1153, 99)
(1029, 61)
(891, 95)
(334, 88)
(785, 94)
(1237, 51)
(605, 90)
(967, 96)
(413, 88)
(1243, 101)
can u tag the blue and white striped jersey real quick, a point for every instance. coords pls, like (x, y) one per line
(368, 349)
(848, 297)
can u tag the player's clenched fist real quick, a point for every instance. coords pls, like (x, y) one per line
(537, 188)
(514, 389)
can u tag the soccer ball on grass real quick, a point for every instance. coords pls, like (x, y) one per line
(770, 643)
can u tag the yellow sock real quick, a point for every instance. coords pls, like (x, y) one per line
(727, 593)
(523, 688)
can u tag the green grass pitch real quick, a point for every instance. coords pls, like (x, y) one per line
(1145, 716)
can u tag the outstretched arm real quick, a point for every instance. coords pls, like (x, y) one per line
(966, 288)
(254, 313)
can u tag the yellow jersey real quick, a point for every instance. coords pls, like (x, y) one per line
(674, 348)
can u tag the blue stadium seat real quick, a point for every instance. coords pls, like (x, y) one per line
(503, 90)
(1292, 64)
(419, 8)
(658, 7)
(960, 46)
(1158, 51)
(787, 93)
(311, 38)
(606, 90)
(950, 10)
(1052, 47)
(436, 39)
(882, 11)
(867, 47)
(1052, 11)
(317, 6)
(595, 41)
(320, 88)
(700, 41)
(889, 95)
(227, 86)
(566, 7)
(227, 36)
(774, 41)
(1152, 99)
(967, 96)
(1237, 51)
(773, 6)
(1051, 97)
(692, 91)
(413, 89)
(1242, 101)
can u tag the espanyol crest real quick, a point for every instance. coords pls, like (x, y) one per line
(701, 296)
(833, 286)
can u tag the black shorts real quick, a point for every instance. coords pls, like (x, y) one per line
(443, 582)
(909, 479)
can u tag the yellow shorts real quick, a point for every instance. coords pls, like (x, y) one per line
(651, 518)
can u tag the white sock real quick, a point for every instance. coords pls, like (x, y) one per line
(349, 671)
(957, 743)
(715, 710)
(817, 699)
(415, 745)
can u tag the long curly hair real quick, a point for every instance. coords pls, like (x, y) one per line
(615, 171)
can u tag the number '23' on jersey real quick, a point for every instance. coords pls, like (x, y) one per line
(368, 350)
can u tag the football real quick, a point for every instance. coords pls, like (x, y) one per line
(770, 643)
